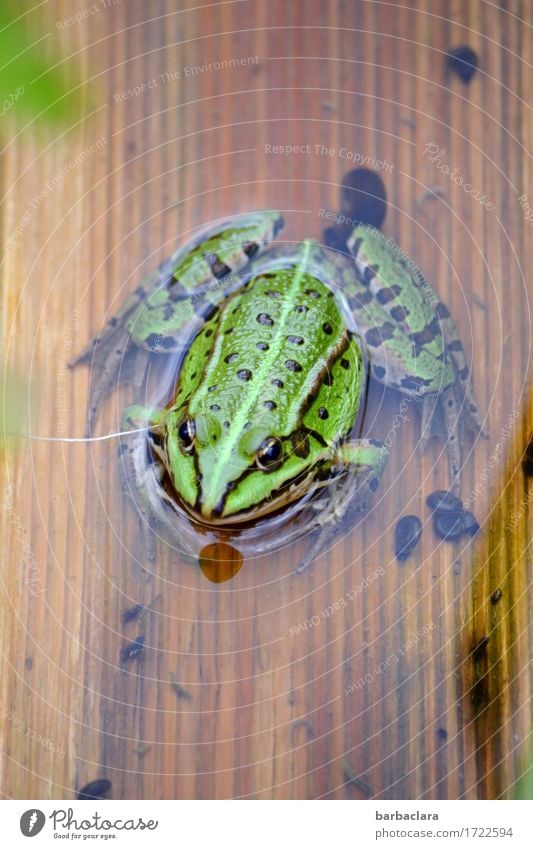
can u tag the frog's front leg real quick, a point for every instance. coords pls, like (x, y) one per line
(141, 479)
(355, 473)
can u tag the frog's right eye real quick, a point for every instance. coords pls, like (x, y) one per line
(186, 434)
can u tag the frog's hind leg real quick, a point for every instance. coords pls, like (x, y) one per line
(455, 350)
(110, 355)
(366, 459)
(112, 362)
(428, 427)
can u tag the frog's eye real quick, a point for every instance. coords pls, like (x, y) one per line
(187, 433)
(269, 453)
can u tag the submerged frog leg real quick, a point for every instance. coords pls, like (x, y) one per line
(407, 328)
(429, 424)
(170, 303)
(140, 469)
(455, 350)
(366, 460)
(111, 356)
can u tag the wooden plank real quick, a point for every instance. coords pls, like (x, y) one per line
(387, 681)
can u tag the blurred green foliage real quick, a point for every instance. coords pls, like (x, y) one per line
(14, 404)
(32, 81)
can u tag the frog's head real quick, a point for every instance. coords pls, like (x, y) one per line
(234, 472)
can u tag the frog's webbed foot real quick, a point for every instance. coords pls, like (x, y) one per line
(447, 416)
(112, 359)
(366, 459)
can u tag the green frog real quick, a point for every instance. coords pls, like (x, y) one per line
(275, 348)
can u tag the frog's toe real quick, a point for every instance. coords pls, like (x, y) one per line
(452, 423)
(427, 424)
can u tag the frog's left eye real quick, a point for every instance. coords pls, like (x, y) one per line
(269, 453)
(187, 433)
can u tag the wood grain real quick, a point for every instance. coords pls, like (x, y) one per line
(386, 681)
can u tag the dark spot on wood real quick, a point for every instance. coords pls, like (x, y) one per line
(28, 663)
(496, 596)
(462, 61)
(463, 373)
(244, 374)
(442, 734)
(374, 483)
(132, 650)
(479, 693)
(132, 613)
(406, 535)
(265, 319)
(480, 649)
(97, 789)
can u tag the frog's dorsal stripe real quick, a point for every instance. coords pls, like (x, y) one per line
(243, 412)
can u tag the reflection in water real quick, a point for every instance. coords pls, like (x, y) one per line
(220, 562)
